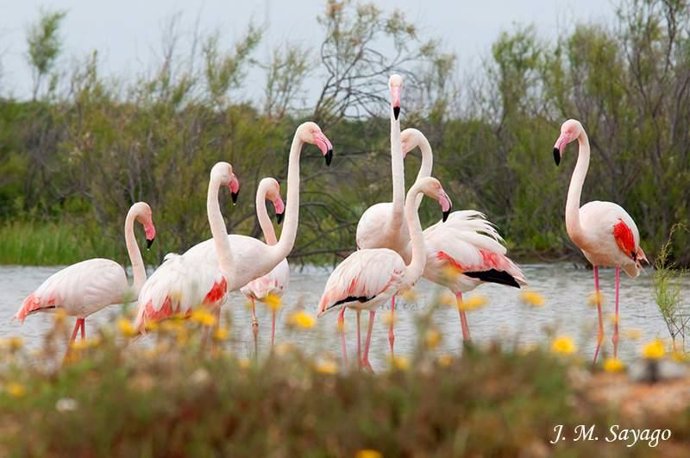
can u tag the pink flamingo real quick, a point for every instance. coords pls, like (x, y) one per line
(88, 286)
(383, 225)
(467, 244)
(604, 232)
(369, 277)
(241, 260)
(274, 282)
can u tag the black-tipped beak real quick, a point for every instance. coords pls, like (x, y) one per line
(234, 195)
(149, 243)
(445, 215)
(396, 112)
(557, 156)
(279, 217)
(329, 157)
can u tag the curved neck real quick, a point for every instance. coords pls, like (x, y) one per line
(262, 215)
(398, 173)
(218, 229)
(415, 268)
(572, 204)
(289, 232)
(427, 164)
(138, 268)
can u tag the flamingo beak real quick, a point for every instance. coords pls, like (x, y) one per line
(395, 102)
(279, 206)
(324, 144)
(280, 217)
(149, 242)
(150, 231)
(560, 145)
(557, 156)
(234, 186)
(446, 206)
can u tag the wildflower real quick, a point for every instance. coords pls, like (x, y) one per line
(283, 348)
(16, 390)
(613, 365)
(596, 297)
(472, 303)
(563, 345)
(654, 350)
(221, 334)
(613, 318)
(400, 363)
(273, 302)
(302, 319)
(341, 326)
(79, 345)
(679, 356)
(203, 317)
(368, 453)
(66, 405)
(126, 328)
(59, 316)
(152, 326)
(432, 338)
(326, 366)
(389, 318)
(244, 363)
(13, 343)
(447, 298)
(450, 272)
(445, 360)
(632, 334)
(532, 298)
(409, 295)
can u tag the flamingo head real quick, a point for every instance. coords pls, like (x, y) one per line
(222, 172)
(395, 85)
(433, 188)
(570, 130)
(273, 194)
(144, 216)
(310, 132)
(410, 139)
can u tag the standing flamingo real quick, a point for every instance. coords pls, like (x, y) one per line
(467, 245)
(88, 286)
(383, 225)
(245, 258)
(369, 277)
(274, 282)
(604, 232)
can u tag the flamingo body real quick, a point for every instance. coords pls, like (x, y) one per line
(273, 283)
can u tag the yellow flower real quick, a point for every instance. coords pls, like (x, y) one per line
(326, 366)
(301, 319)
(368, 453)
(399, 362)
(341, 326)
(244, 363)
(679, 356)
(16, 390)
(273, 302)
(12, 343)
(409, 295)
(596, 297)
(126, 328)
(432, 338)
(563, 345)
(632, 334)
(532, 298)
(389, 318)
(472, 303)
(654, 350)
(450, 273)
(612, 318)
(60, 316)
(221, 334)
(613, 365)
(152, 326)
(79, 345)
(447, 298)
(445, 360)
(203, 317)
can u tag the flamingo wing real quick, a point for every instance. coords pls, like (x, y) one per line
(80, 289)
(365, 278)
(273, 282)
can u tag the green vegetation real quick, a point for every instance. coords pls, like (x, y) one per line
(89, 145)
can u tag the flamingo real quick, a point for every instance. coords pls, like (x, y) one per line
(88, 286)
(369, 277)
(604, 232)
(467, 245)
(383, 225)
(242, 260)
(274, 282)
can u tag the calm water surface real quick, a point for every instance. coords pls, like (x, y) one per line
(564, 286)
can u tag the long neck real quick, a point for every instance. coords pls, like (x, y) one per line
(289, 232)
(572, 205)
(264, 219)
(415, 268)
(138, 268)
(398, 173)
(218, 229)
(427, 164)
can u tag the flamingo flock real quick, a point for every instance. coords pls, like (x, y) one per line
(460, 252)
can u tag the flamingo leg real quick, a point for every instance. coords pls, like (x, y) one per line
(273, 328)
(463, 319)
(341, 329)
(391, 335)
(615, 323)
(359, 339)
(600, 333)
(75, 331)
(83, 328)
(255, 327)
(370, 327)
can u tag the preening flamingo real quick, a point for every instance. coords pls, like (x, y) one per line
(369, 277)
(88, 286)
(274, 282)
(243, 258)
(383, 225)
(605, 233)
(466, 250)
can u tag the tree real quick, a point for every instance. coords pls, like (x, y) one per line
(44, 45)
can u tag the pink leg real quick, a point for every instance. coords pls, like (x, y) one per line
(75, 331)
(463, 319)
(273, 328)
(359, 339)
(615, 323)
(255, 327)
(83, 328)
(391, 335)
(367, 343)
(600, 333)
(341, 327)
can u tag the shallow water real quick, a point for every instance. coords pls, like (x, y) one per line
(564, 286)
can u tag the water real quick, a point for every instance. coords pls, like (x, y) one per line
(564, 286)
